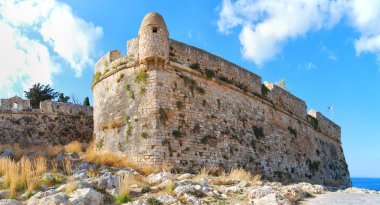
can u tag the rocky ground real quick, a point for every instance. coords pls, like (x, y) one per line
(94, 184)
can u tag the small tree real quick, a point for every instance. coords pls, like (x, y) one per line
(63, 98)
(282, 84)
(86, 102)
(39, 93)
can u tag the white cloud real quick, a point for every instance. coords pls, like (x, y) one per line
(37, 39)
(267, 25)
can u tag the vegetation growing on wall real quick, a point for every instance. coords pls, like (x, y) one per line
(314, 122)
(209, 73)
(195, 66)
(144, 135)
(226, 80)
(162, 115)
(264, 90)
(130, 92)
(177, 133)
(141, 78)
(258, 131)
(206, 139)
(121, 76)
(128, 128)
(292, 131)
(200, 90)
(179, 105)
(100, 144)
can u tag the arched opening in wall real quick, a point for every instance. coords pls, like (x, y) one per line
(154, 29)
(15, 106)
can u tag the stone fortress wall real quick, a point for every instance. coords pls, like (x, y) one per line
(192, 109)
(53, 123)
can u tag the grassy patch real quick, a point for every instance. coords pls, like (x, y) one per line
(121, 76)
(292, 131)
(177, 133)
(100, 144)
(264, 90)
(179, 105)
(313, 122)
(195, 66)
(130, 92)
(209, 73)
(97, 76)
(144, 135)
(200, 90)
(258, 132)
(206, 139)
(141, 76)
(226, 80)
(162, 115)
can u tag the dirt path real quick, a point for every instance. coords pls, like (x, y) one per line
(340, 198)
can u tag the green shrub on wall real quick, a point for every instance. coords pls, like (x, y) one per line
(209, 73)
(162, 115)
(96, 77)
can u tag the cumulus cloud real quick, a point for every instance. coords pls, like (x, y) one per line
(37, 39)
(267, 25)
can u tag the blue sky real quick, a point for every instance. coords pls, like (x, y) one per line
(328, 51)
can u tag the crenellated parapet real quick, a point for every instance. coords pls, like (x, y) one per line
(324, 125)
(283, 99)
(224, 70)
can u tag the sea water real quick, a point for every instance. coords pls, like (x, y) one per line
(366, 183)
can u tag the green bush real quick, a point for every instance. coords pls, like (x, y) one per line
(162, 115)
(123, 199)
(200, 90)
(210, 73)
(177, 134)
(179, 105)
(205, 139)
(99, 144)
(144, 135)
(259, 132)
(130, 92)
(141, 76)
(96, 77)
(195, 66)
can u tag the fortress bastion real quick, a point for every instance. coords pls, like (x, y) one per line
(168, 102)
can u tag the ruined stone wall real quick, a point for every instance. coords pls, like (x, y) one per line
(54, 123)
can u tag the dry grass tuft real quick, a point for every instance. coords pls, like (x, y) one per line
(241, 174)
(73, 147)
(41, 166)
(203, 173)
(53, 151)
(70, 187)
(124, 187)
(67, 166)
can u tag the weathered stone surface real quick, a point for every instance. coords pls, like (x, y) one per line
(56, 199)
(10, 202)
(159, 177)
(271, 199)
(163, 109)
(87, 196)
(168, 200)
